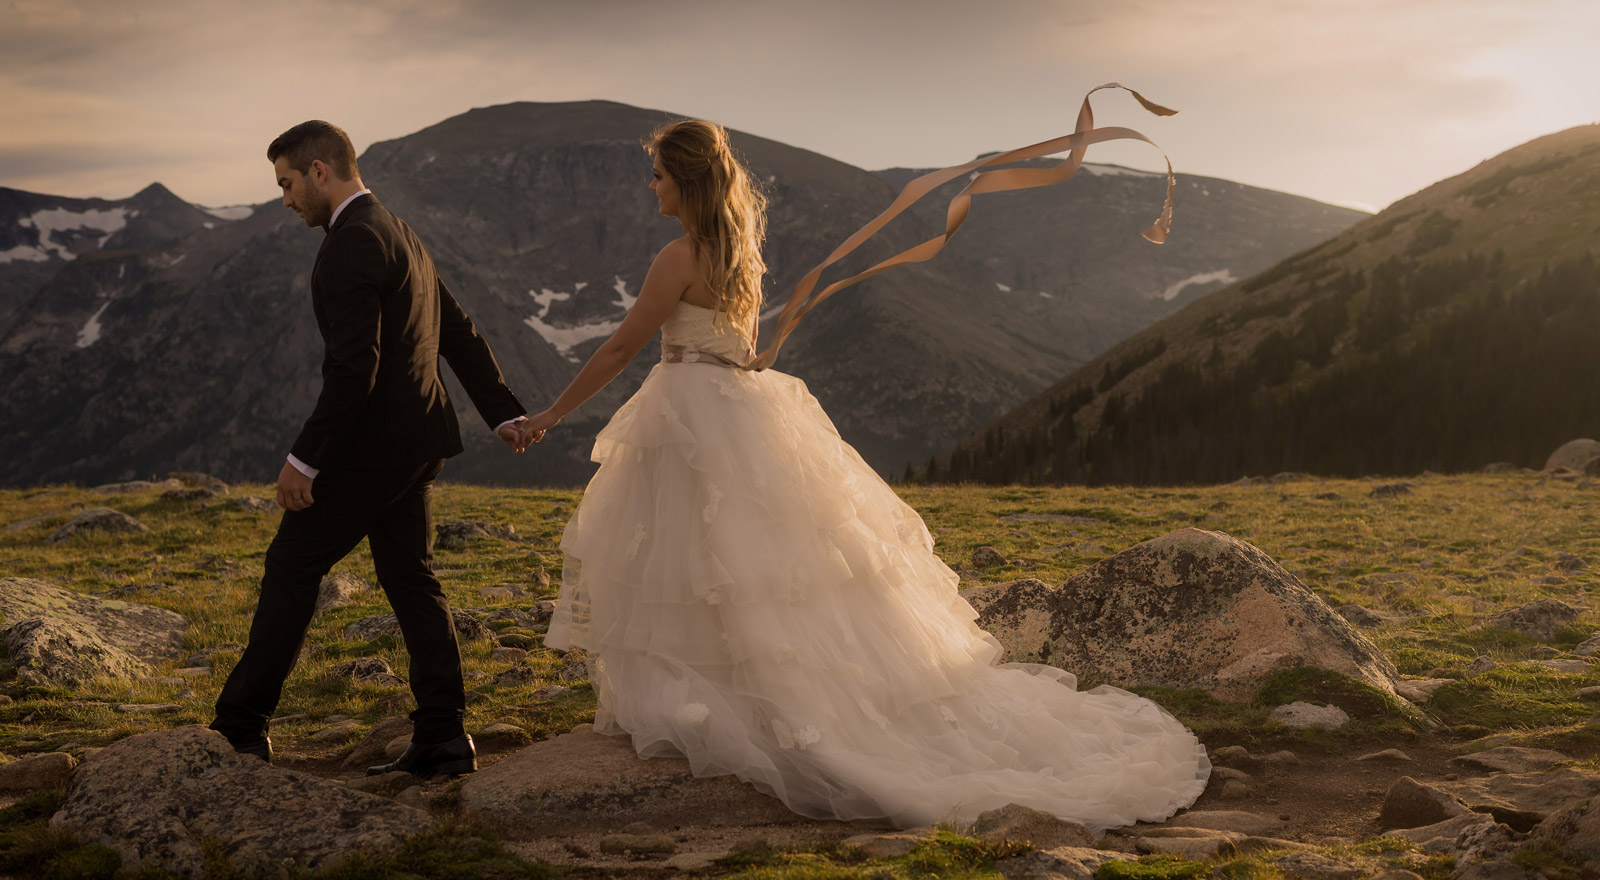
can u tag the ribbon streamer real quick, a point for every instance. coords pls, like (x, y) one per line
(803, 299)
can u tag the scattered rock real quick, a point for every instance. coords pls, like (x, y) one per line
(1588, 647)
(196, 480)
(1019, 823)
(496, 594)
(585, 781)
(339, 732)
(1570, 667)
(98, 519)
(1421, 690)
(514, 615)
(1542, 652)
(1481, 665)
(338, 590)
(1540, 619)
(367, 629)
(501, 736)
(890, 845)
(508, 655)
(37, 772)
(1500, 467)
(372, 746)
(1189, 609)
(1575, 828)
(638, 844)
(1582, 456)
(1303, 715)
(551, 692)
(458, 534)
(1394, 755)
(987, 557)
(1233, 789)
(1205, 847)
(156, 796)
(364, 669)
(1227, 820)
(189, 493)
(1411, 804)
(1569, 563)
(22, 525)
(1391, 490)
(692, 861)
(254, 504)
(1061, 863)
(1359, 616)
(1449, 829)
(515, 676)
(132, 486)
(1315, 866)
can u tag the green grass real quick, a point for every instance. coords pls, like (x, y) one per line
(1437, 561)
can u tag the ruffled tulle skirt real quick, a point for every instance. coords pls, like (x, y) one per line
(754, 597)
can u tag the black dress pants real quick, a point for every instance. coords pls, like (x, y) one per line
(392, 509)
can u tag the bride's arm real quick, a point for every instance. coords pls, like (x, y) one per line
(669, 276)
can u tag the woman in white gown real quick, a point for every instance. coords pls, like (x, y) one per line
(753, 596)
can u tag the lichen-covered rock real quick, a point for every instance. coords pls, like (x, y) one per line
(1574, 828)
(1582, 456)
(340, 589)
(1019, 823)
(195, 480)
(98, 519)
(1303, 715)
(37, 772)
(1060, 863)
(582, 780)
(51, 652)
(156, 796)
(987, 557)
(368, 629)
(1540, 619)
(1190, 609)
(459, 534)
(373, 747)
(364, 669)
(1536, 792)
(148, 634)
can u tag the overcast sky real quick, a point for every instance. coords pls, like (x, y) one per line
(1357, 102)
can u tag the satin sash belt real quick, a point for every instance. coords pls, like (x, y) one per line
(805, 297)
(683, 354)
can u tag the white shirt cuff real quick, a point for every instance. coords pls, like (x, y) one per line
(303, 468)
(509, 422)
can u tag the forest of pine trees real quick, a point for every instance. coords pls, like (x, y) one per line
(1441, 369)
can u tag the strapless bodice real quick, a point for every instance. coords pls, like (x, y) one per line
(689, 331)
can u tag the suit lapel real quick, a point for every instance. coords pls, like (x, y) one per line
(360, 201)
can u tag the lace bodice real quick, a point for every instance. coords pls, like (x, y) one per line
(689, 329)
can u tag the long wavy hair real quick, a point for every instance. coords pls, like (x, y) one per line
(723, 211)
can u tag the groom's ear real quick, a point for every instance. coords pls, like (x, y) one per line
(319, 172)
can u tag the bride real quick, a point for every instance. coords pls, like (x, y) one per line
(754, 597)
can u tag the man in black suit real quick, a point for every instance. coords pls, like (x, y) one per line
(370, 451)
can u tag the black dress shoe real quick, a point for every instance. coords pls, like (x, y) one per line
(261, 748)
(452, 757)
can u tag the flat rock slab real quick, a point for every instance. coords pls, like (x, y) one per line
(1060, 863)
(585, 781)
(1189, 609)
(1241, 821)
(1527, 792)
(1304, 715)
(148, 633)
(156, 796)
(1511, 759)
(98, 519)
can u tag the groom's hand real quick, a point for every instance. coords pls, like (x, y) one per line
(294, 489)
(511, 432)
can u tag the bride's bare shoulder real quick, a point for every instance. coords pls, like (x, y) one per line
(676, 259)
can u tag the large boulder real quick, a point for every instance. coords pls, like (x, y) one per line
(583, 781)
(98, 519)
(125, 632)
(1189, 609)
(157, 796)
(47, 651)
(1582, 456)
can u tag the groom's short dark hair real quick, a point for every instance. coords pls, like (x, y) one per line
(313, 140)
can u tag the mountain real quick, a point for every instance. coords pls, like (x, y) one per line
(1454, 329)
(144, 335)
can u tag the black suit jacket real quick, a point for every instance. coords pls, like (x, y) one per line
(385, 319)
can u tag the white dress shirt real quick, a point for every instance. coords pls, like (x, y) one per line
(307, 469)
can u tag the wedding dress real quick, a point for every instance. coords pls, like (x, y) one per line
(754, 597)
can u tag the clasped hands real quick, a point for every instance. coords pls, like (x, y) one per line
(522, 433)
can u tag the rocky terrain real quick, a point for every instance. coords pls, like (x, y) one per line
(181, 336)
(1389, 676)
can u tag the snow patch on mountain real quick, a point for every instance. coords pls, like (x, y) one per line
(1222, 275)
(565, 339)
(1118, 171)
(233, 212)
(94, 223)
(90, 333)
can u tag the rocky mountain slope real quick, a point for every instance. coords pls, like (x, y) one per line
(1447, 333)
(147, 334)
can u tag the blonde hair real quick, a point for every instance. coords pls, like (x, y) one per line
(723, 211)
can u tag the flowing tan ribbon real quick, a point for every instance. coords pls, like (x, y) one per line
(803, 300)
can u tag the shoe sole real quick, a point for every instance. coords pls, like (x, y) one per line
(451, 768)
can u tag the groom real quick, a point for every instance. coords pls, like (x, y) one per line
(364, 464)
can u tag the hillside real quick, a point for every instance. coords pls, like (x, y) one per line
(1454, 329)
(147, 334)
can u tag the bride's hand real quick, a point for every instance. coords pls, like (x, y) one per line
(532, 429)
